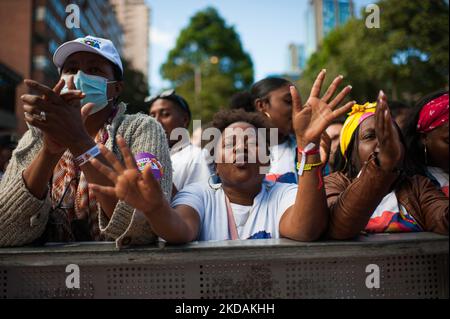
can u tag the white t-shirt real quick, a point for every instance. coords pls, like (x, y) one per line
(264, 217)
(439, 174)
(283, 162)
(189, 166)
(441, 177)
(241, 215)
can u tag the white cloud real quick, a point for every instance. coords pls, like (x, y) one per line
(163, 39)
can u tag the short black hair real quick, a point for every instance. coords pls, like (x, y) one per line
(225, 118)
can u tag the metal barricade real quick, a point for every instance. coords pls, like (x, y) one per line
(405, 266)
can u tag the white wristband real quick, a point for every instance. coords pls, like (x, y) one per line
(84, 158)
(307, 149)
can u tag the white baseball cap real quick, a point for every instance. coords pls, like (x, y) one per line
(102, 47)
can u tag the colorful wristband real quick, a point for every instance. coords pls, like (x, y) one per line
(309, 167)
(310, 149)
(84, 158)
(314, 151)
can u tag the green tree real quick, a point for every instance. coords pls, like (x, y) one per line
(407, 56)
(135, 89)
(208, 64)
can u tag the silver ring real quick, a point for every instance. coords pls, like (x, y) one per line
(43, 116)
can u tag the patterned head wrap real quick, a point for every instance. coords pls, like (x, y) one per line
(433, 115)
(358, 114)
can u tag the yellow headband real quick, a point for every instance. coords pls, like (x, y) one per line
(358, 114)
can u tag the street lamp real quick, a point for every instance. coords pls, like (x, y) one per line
(198, 77)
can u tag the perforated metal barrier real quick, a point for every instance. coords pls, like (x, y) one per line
(410, 266)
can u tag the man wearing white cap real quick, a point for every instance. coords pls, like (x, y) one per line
(45, 193)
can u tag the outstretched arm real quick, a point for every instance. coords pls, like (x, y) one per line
(307, 220)
(143, 192)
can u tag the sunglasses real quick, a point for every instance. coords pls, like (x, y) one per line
(169, 95)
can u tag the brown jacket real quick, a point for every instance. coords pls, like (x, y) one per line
(352, 203)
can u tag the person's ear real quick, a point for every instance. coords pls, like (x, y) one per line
(117, 89)
(424, 139)
(185, 120)
(261, 105)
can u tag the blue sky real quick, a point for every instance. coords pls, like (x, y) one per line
(266, 28)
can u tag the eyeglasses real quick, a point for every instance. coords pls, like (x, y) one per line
(169, 95)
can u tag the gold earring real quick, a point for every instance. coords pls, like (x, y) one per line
(268, 115)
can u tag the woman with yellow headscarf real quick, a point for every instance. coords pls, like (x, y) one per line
(356, 117)
(370, 193)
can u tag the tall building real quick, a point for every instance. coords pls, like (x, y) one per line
(134, 16)
(296, 58)
(31, 31)
(323, 16)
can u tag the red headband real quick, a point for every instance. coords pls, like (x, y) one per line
(434, 114)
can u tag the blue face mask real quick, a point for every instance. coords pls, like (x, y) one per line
(94, 87)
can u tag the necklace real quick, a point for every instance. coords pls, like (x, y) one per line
(232, 228)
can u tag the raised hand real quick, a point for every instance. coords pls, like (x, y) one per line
(325, 148)
(140, 190)
(311, 120)
(72, 96)
(63, 123)
(391, 151)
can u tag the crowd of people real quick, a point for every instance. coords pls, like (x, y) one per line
(324, 169)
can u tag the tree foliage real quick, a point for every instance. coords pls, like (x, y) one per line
(214, 49)
(407, 56)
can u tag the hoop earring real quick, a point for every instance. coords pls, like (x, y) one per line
(214, 187)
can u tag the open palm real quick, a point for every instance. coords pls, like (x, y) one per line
(311, 120)
(139, 190)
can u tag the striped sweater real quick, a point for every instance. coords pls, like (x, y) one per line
(23, 217)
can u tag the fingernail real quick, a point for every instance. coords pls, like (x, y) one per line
(350, 87)
(341, 77)
(324, 70)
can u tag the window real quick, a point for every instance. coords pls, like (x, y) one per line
(55, 26)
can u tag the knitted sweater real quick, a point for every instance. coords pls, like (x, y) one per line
(23, 217)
